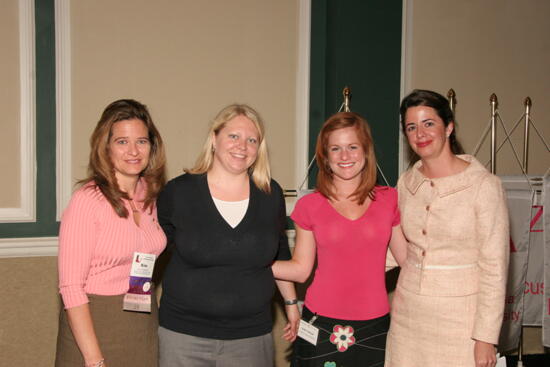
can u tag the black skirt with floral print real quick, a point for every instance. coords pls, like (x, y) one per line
(343, 343)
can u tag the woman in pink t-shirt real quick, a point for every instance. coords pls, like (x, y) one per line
(347, 223)
(110, 217)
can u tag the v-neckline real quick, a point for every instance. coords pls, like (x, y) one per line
(213, 209)
(346, 218)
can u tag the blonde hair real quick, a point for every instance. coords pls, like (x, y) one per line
(259, 171)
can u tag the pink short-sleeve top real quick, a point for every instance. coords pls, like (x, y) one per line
(349, 281)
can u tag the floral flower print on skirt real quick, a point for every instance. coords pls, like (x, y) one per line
(343, 343)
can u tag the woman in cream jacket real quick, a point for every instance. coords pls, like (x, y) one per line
(448, 306)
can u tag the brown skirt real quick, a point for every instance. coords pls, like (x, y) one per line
(126, 338)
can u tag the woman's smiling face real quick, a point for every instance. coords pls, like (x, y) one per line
(426, 132)
(236, 145)
(346, 156)
(129, 148)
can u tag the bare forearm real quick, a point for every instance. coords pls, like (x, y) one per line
(290, 270)
(80, 320)
(299, 267)
(287, 289)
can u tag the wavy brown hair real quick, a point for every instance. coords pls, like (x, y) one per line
(101, 171)
(325, 184)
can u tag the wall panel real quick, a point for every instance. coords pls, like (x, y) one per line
(186, 63)
(484, 47)
(9, 105)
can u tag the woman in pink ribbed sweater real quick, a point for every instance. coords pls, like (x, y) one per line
(109, 218)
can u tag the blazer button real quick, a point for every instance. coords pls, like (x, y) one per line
(424, 232)
(423, 252)
(427, 208)
(432, 184)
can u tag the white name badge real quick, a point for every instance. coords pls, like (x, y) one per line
(138, 297)
(308, 332)
(501, 362)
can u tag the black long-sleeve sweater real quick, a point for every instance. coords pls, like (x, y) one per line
(219, 283)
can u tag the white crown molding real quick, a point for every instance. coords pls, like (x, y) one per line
(63, 104)
(28, 247)
(406, 72)
(27, 77)
(302, 91)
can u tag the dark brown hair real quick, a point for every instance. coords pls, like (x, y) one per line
(325, 184)
(428, 98)
(100, 167)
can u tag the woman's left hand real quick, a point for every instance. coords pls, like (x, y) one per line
(291, 329)
(484, 354)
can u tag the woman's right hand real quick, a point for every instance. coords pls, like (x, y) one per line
(484, 354)
(290, 331)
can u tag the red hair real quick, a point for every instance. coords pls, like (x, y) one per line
(325, 183)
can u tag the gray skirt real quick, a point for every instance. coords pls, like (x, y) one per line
(126, 338)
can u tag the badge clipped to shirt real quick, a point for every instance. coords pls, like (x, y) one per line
(307, 331)
(138, 297)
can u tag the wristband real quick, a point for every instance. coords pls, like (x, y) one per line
(291, 302)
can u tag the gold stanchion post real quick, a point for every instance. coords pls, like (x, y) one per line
(451, 96)
(527, 103)
(347, 96)
(494, 105)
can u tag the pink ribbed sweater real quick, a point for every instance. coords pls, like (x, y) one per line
(96, 246)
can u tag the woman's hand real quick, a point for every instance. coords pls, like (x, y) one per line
(291, 328)
(484, 354)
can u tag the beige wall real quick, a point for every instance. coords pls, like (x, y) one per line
(484, 47)
(479, 48)
(185, 60)
(9, 105)
(186, 63)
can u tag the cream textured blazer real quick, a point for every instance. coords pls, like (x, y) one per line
(458, 234)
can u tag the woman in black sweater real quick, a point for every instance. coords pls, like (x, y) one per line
(225, 221)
